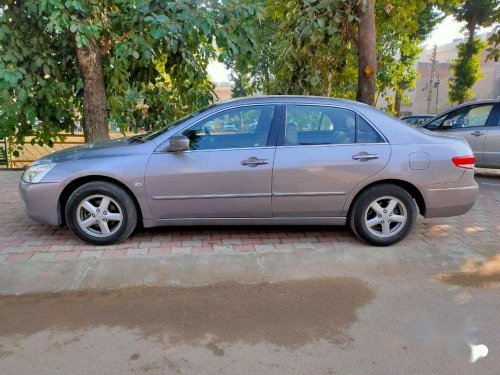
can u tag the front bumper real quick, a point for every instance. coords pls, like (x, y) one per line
(42, 201)
(451, 201)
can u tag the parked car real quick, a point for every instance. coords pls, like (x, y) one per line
(416, 119)
(356, 165)
(477, 122)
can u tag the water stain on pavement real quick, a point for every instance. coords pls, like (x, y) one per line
(289, 314)
(474, 273)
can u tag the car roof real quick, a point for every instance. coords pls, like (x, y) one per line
(482, 101)
(290, 99)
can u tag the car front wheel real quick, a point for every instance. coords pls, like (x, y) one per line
(383, 214)
(101, 213)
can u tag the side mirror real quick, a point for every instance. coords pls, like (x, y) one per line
(178, 143)
(447, 124)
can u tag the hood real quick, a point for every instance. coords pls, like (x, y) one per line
(88, 150)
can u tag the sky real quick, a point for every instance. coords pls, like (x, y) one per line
(444, 33)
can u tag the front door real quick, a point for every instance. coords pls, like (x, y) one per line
(492, 143)
(226, 173)
(323, 154)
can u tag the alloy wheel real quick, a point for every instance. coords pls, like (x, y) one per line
(99, 215)
(386, 216)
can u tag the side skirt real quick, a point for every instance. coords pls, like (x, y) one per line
(247, 221)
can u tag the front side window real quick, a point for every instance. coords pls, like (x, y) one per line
(234, 128)
(469, 117)
(317, 125)
(465, 117)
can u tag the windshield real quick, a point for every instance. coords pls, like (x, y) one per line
(174, 124)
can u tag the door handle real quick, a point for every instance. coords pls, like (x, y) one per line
(364, 156)
(253, 161)
(477, 133)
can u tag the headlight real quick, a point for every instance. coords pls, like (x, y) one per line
(35, 173)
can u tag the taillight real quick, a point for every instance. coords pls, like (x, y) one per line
(466, 162)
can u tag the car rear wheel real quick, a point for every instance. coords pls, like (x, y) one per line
(383, 214)
(101, 213)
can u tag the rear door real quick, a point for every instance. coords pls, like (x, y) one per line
(323, 153)
(470, 122)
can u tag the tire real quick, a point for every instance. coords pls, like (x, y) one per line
(376, 224)
(98, 205)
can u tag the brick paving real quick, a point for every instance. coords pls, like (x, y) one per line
(23, 240)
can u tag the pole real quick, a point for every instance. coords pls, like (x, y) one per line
(436, 85)
(431, 80)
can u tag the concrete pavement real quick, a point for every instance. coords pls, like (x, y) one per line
(289, 300)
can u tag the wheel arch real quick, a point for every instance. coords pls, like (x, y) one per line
(77, 182)
(408, 186)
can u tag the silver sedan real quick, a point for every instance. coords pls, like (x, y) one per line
(285, 160)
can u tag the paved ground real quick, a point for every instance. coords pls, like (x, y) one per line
(261, 300)
(364, 318)
(22, 240)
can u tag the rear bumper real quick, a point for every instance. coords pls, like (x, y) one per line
(41, 201)
(452, 201)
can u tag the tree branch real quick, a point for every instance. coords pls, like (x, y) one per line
(109, 43)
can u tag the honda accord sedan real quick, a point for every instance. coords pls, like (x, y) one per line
(285, 160)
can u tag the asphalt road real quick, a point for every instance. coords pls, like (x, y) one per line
(378, 315)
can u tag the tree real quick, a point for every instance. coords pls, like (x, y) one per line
(366, 41)
(124, 62)
(466, 67)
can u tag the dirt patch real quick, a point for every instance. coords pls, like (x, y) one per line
(215, 349)
(5, 353)
(474, 273)
(286, 313)
(134, 357)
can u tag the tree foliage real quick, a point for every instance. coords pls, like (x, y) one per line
(154, 58)
(466, 69)
(310, 47)
(401, 30)
(314, 43)
(494, 45)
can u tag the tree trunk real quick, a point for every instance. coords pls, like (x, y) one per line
(397, 104)
(94, 92)
(367, 52)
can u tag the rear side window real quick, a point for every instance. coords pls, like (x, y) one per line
(322, 125)
(365, 132)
